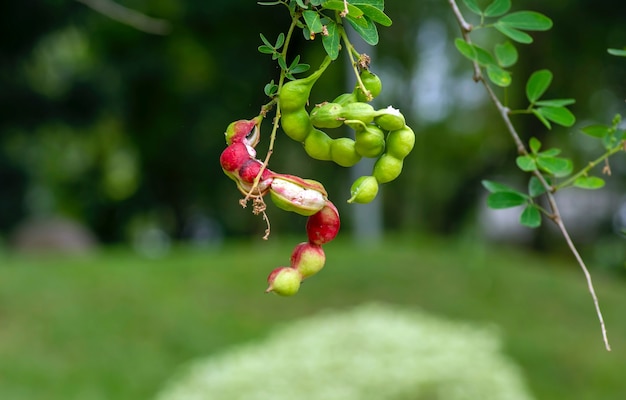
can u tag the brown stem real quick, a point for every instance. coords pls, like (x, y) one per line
(521, 148)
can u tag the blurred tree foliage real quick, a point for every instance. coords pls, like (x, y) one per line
(111, 125)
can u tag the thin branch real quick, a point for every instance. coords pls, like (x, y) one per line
(521, 148)
(129, 17)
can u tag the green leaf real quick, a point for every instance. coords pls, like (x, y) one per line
(380, 4)
(266, 50)
(534, 144)
(483, 56)
(617, 52)
(338, 5)
(498, 8)
(369, 33)
(473, 6)
(375, 14)
(495, 187)
(300, 68)
(526, 163)
(589, 182)
(556, 166)
(513, 34)
(531, 216)
(535, 187)
(527, 21)
(506, 54)
(331, 41)
(550, 153)
(280, 40)
(597, 131)
(542, 118)
(301, 4)
(498, 75)
(537, 84)
(555, 102)
(500, 200)
(312, 20)
(558, 115)
(465, 49)
(265, 41)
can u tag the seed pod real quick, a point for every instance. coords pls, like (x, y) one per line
(327, 116)
(317, 145)
(284, 281)
(363, 190)
(323, 226)
(296, 125)
(370, 142)
(243, 131)
(387, 168)
(301, 196)
(345, 98)
(359, 111)
(251, 168)
(308, 259)
(234, 156)
(400, 142)
(294, 95)
(372, 83)
(343, 152)
(389, 119)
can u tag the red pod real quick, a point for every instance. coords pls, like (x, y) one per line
(243, 131)
(234, 157)
(323, 226)
(250, 169)
(308, 258)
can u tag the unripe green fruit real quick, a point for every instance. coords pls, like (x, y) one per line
(296, 125)
(370, 142)
(372, 83)
(345, 98)
(284, 281)
(363, 190)
(343, 152)
(327, 115)
(389, 119)
(317, 145)
(400, 142)
(294, 94)
(359, 111)
(387, 168)
(308, 258)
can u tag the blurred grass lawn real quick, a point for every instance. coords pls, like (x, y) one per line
(115, 326)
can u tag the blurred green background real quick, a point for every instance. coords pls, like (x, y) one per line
(110, 139)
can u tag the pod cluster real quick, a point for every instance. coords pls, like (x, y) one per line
(381, 134)
(289, 192)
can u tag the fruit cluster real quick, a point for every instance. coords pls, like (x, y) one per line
(381, 134)
(377, 133)
(291, 193)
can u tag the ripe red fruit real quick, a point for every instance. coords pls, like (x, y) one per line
(250, 169)
(323, 226)
(234, 157)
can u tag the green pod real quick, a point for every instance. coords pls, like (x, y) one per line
(389, 119)
(296, 125)
(369, 140)
(345, 98)
(327, 115)
(343, 152)
(400, 142)
(294, 95)
(360, 111)
(372, 84)
(363, 190)
(317, 145)
(387, 168)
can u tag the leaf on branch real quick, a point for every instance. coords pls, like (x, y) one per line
(369, 32)
(380, 4)
(535, 187)
(597, 131)
(557, 166)
(498, 75)
(339, 5)
(558, 115)
(589, 182)
(499, 200)
(506, 54)
(526, 163)
(555, 102)
(513, 34)
(537, 84)
(466, 49)
(331, 41)
(375, 14)
(312, 20)
(495, 187)
(497, 8)
(472, 5)
(531, 217)
(534, 144)
(542, 118)
(617, 52)
(526, 21)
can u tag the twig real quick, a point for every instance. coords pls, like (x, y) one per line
(521, 148)
(129, 17)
